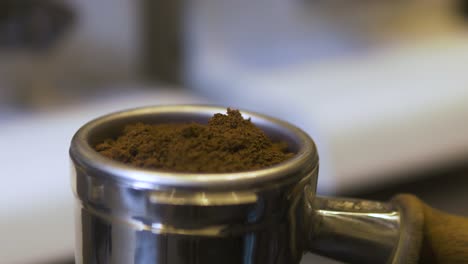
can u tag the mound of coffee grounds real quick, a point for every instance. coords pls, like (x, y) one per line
(229, 143)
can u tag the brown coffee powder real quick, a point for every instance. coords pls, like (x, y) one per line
(229, 143)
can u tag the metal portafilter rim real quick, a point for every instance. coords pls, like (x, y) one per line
(83, 153)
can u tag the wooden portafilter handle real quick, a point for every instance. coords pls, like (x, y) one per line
(437, 237)
(402, 231)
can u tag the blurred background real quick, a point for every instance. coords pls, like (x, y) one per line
(380, 85)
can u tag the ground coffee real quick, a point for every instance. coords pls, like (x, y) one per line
(229, 143)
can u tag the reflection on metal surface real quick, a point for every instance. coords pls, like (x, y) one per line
(131, 226)
(202, 198)
(296, 212)
(354, 231)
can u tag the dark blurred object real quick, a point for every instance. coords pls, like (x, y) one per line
(33, 24)
(463, 8)
(443, 188)
(162, 40)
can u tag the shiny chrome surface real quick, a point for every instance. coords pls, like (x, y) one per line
(355, 231)
(127, 215)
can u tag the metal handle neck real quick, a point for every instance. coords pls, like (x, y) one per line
(351, 230)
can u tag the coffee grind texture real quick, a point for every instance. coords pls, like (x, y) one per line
(228, 143)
